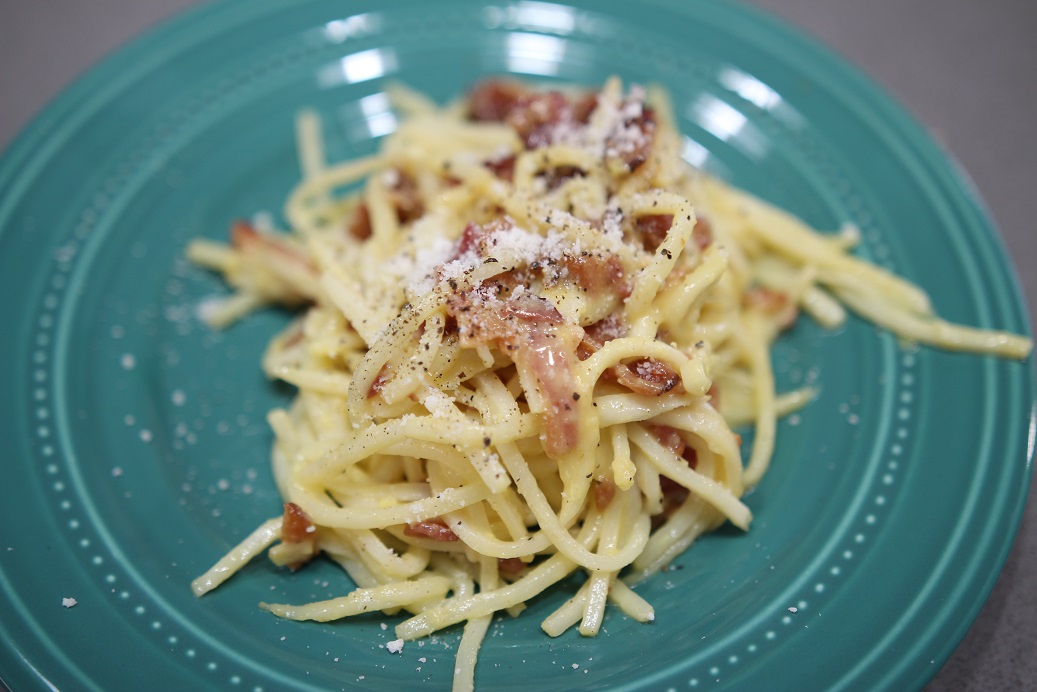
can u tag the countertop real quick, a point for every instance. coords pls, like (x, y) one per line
(967, 70)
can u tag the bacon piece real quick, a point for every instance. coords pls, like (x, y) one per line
(547, 347)
(669, 437)
(529, 328)
(554, 177)
(537, 338)
(773, 304)
(493, 99)
(643, 376)
(295, 337)
(714, 395)
(653, 229)
(692, 457)
(471, 239)
(647, 376)
(406, 198)
(511, 566)
(247, 239)
(243, 235)
(502, 167)
(288, 274)
(533, 116)
(598, 334)
(296, 527)
(597, 274)
(434, 529)
(633, 142)
(379, 381)
(360, 224)
(387, 372)
(702, 233)
(674, 493)
(298, 537)
(604, 491)
(584, 107)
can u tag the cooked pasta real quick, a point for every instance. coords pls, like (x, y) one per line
(527, 330)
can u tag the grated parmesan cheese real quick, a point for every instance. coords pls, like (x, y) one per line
(607, 133)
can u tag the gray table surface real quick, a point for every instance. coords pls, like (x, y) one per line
(966, 69)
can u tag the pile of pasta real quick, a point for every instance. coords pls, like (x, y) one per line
(528, 333)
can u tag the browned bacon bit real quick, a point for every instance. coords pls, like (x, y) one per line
(434, 529)
(691, 456)
(603, 331)
(633, 151)
(534, 334)
(773, 304)
(297, 530)
(547, 348)
(597, 274)
(503, 167)
(669, 437)
(714, 395)
(584, 107)
(643, 376)
(295, 337)
(674, 493)
(405, 197)
(380, 380)
(604, 491)
(493, 99)
(360, 223)
(296, 527)
(672, 440)
(598, 334)
(242, 234)
(247, 239)
(510, 566)
(653, 229)
(533, 116)
(473, 236)
(702, 233)
(647, 376)
(554, 177)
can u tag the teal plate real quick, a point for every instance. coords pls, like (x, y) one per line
(135, 442)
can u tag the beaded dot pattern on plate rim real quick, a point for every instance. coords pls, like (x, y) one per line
(55, 300)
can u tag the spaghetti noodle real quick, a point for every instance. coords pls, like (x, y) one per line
(525, 342)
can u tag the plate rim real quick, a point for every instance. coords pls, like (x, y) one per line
(32, 144)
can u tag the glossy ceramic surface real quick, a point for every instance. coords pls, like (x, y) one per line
(136, 447)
